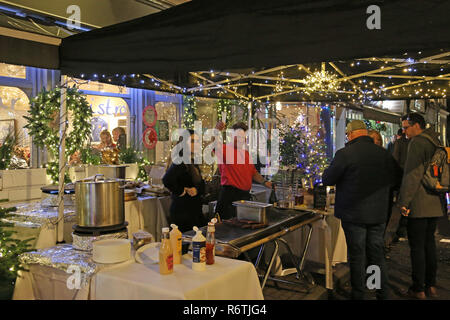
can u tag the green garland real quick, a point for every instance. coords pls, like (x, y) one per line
(90, 156)
(225, 105)
(190, 111)
(43, 125)
(6, 151)
(130, 155)
(10, 250)
(375, 125)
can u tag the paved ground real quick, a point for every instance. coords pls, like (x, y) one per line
(399, 266)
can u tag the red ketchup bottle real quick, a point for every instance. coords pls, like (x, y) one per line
(210, 243)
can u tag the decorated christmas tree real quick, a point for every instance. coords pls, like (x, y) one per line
(10, 250)
(314, 155)
(303, 148)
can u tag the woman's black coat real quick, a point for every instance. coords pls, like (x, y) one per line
(185, 211)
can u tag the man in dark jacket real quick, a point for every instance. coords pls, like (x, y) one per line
(422, 207)
(363, 174)
(400, 149)
(397, 225)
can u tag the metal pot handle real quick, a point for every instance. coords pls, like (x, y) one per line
(98, 175)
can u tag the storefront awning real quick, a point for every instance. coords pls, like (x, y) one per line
(23, 48)
(370, 113)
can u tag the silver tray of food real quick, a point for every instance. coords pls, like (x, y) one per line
(251, 210)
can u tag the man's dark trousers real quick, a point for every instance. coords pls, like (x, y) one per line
(423, 252)
(365, 247)
(227, 195)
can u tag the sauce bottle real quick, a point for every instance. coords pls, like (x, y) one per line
(165, 253)
(198, 251)
(175, 242)
(210, 242)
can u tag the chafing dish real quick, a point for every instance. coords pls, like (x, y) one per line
(251, 210)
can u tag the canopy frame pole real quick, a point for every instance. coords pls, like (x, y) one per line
(423, 60)
(344, 75)
(412, 83)
(62, 157)
(212, 82)
(238, 76)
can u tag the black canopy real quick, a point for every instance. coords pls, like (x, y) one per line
(218, 34)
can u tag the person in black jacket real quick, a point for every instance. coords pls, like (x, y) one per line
(187, 186)
(364, 174)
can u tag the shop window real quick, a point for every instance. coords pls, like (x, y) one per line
(14, 104)
(108, 113)
(13, 71)
(207, 112)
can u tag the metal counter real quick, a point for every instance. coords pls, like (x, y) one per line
(231, 241)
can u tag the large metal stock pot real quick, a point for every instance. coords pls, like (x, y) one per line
(99, 202)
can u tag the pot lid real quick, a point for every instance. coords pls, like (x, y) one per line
(99, 178)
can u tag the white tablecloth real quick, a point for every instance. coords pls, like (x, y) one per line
(227, 279)
(149, 214)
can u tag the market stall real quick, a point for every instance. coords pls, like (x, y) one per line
(205, 63)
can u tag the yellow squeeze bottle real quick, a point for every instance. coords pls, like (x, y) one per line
(175, 241)
(165, 253)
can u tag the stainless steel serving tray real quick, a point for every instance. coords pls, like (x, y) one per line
(251, 210)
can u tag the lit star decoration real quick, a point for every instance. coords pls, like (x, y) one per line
(321, 81)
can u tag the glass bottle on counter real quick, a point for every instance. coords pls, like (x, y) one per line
(210, 243)
(290, 198)
(165, 253)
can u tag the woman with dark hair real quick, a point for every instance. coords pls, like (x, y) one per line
(185, 182)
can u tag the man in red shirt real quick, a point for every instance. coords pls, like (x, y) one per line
(237, 172)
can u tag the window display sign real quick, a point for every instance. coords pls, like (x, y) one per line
(150, 138)
(162, 128)
(149, 116)
(13, 71)
(417, 105)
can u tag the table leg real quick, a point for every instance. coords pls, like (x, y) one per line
(261, 251)
(305, 250)
(272, 259)
(289, 271)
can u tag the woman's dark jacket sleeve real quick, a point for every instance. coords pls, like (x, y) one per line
(171, 179)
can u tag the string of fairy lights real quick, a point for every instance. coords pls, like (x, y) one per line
(314, 82)
(413, 75)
